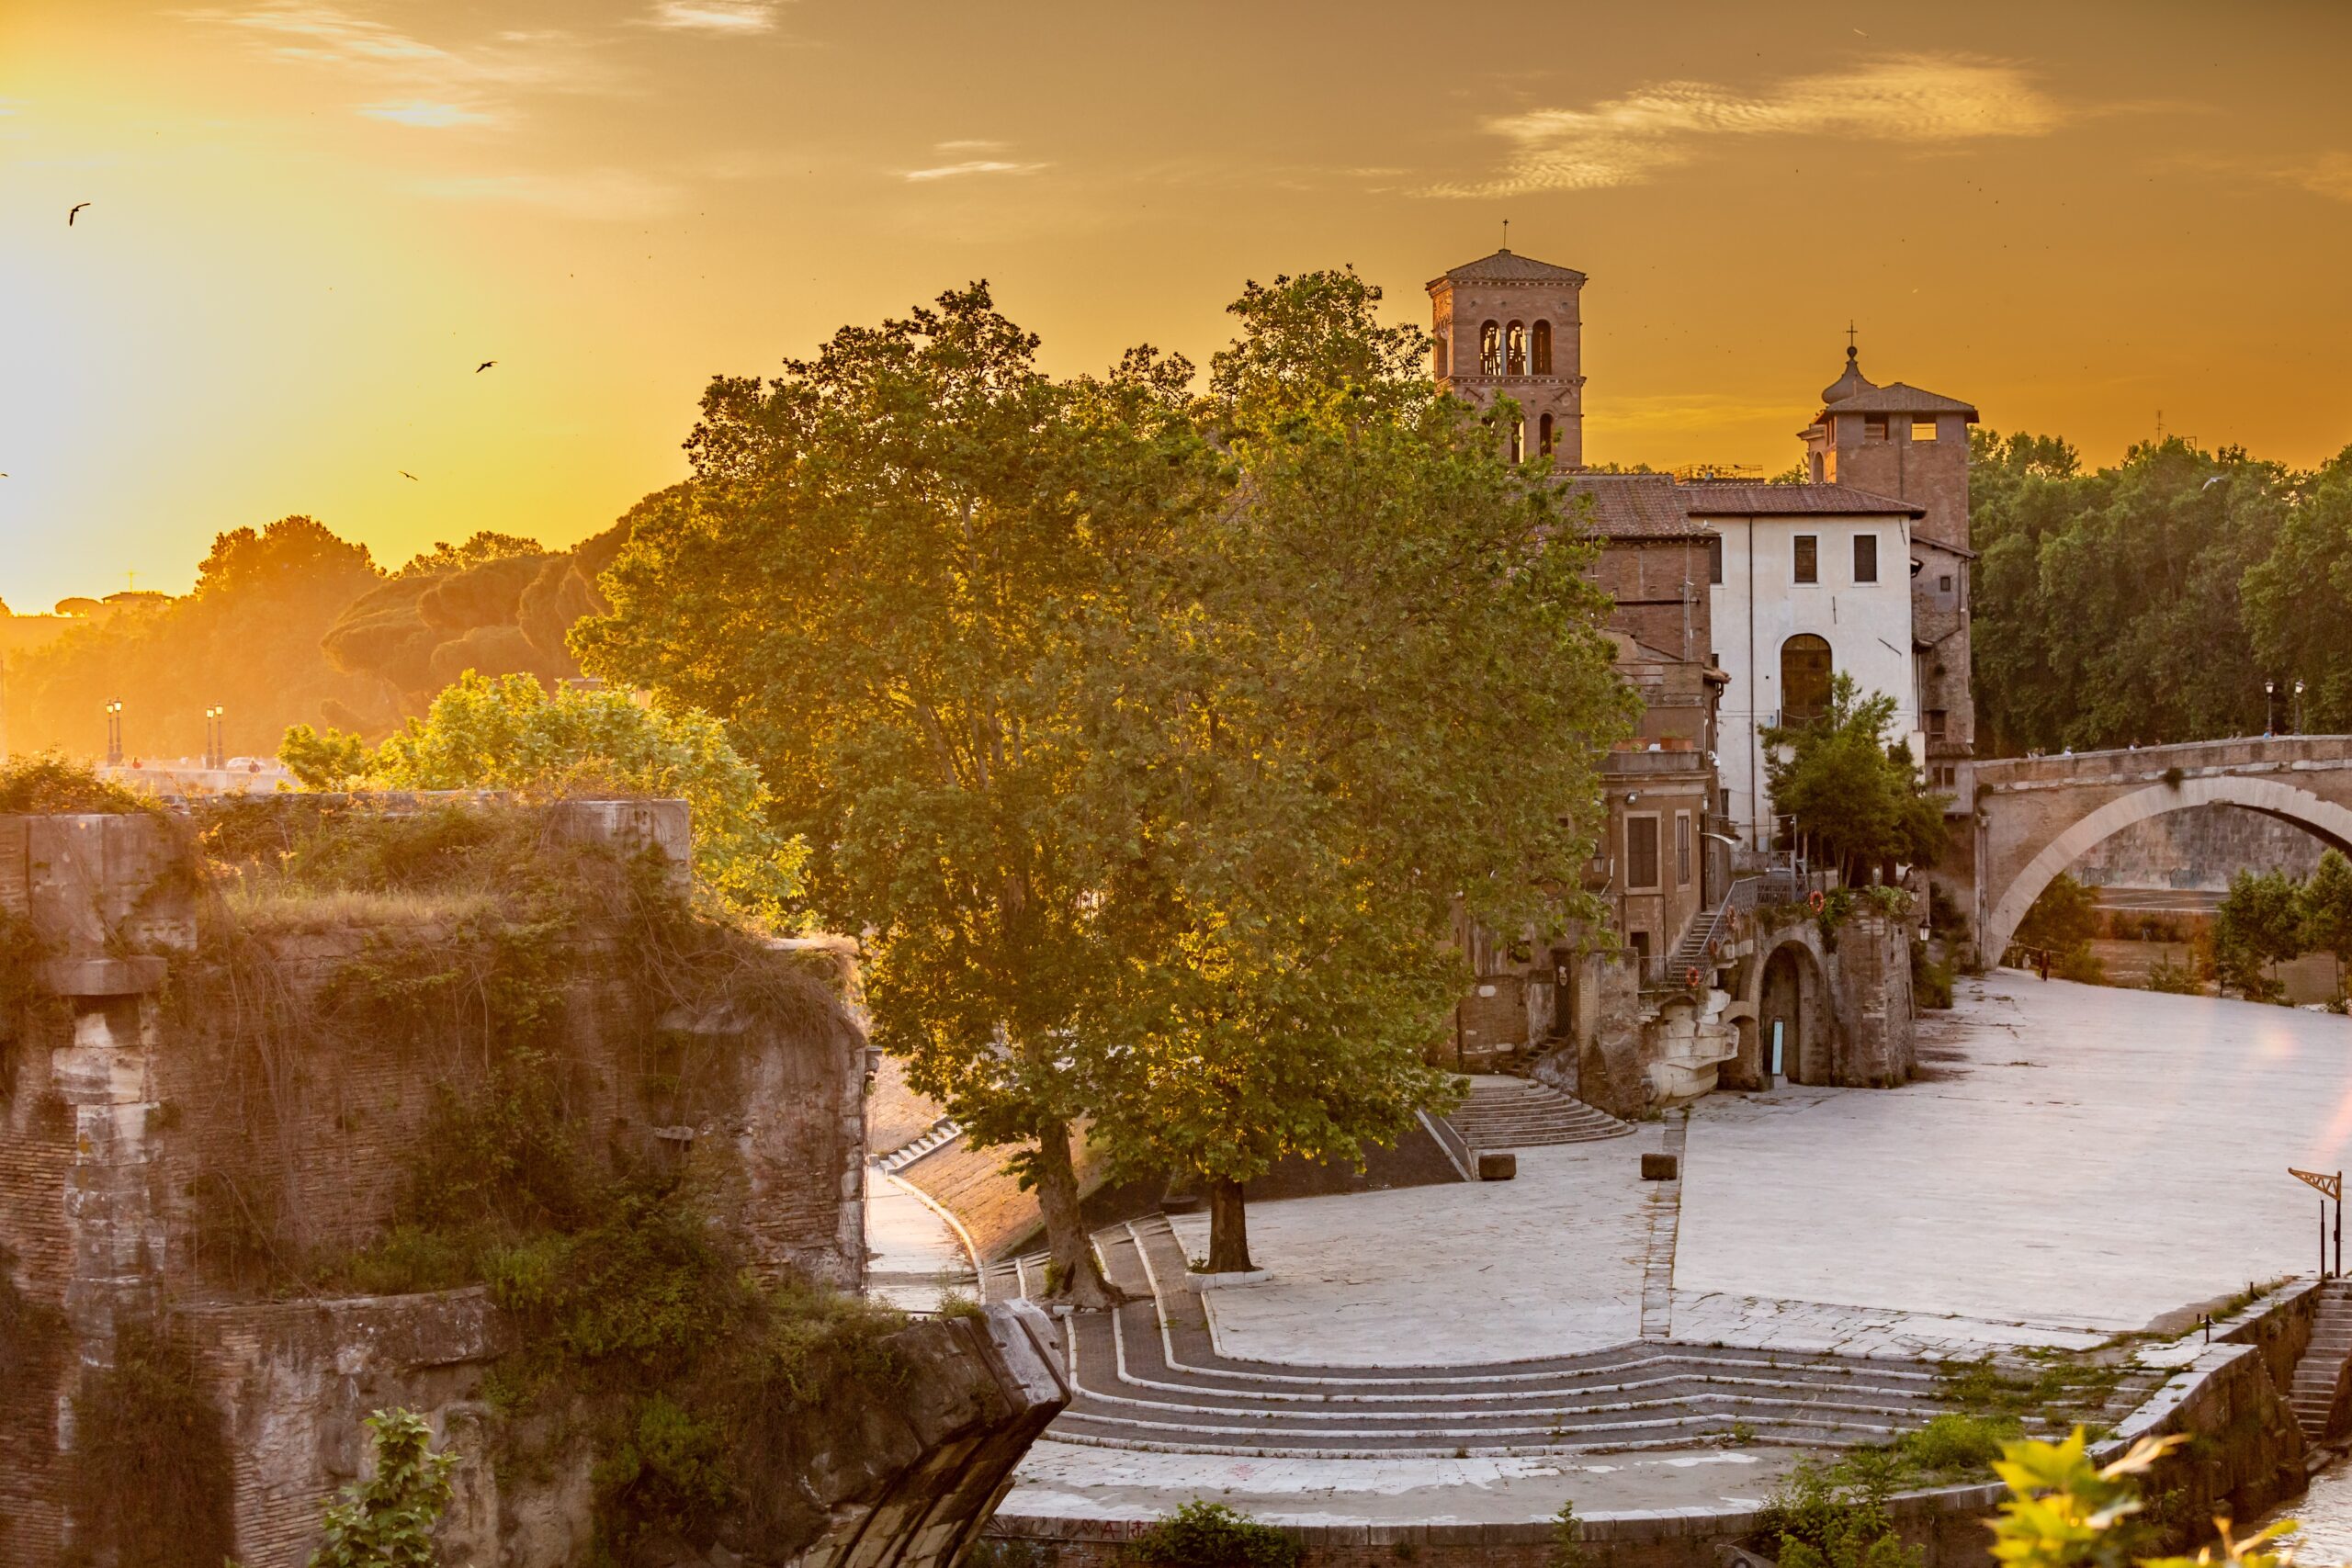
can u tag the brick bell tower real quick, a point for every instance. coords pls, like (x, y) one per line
(1511, 324)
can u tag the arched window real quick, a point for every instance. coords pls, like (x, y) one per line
(1544, 432)
(1518, 440)
(1543, 348)
(1440, 359)
(1805, 678)
(1515, 354)
(1490, 350)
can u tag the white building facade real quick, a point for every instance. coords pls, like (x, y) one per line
(1806, 581)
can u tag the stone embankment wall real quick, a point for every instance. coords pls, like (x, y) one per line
(156, 1114)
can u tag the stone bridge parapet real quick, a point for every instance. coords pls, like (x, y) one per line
(2036, 815)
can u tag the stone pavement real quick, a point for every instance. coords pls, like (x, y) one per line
(915, 1254)
(2075, 1156)
(2075, 1161)
(1063, 1481)
(1545, 1265)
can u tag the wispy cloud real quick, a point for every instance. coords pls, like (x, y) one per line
(968, 145)
(432, 116)
(1626, 141)
(971, 167)
(423, 82)
(2329, 174)
(716, 15)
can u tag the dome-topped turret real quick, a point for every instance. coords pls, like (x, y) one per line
(1850, 383)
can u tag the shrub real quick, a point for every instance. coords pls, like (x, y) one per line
(2081, 966)
(1931, 979)
(1567, 1540)
(1210, 1535)
(1836, 1517)
(386, 1521)
(47, 782)
(1955, 1442)
(2178, 979)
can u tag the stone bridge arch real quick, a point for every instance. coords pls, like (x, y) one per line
(2006, 895)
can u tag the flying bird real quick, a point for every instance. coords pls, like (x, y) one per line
(71, 211)
(2209, 484)
(484, 366)
(406, 475)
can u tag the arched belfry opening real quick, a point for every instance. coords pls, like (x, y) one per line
(1543, 348)
(1490, 349)
(1515, 351)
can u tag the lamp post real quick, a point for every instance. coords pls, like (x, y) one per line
(114, 733)
(2269, 708)
(2299, 705)
(216, 743)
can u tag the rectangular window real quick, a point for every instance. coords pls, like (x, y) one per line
(1714, 558)
(1808, 559)
(1641, 853)
(1923, 430)
(1866, 558)
(1943, 583)
(1682, 848)
(1875, 430)
(1935, 723)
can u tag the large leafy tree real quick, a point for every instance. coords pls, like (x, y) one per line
(2125, 605)
(2325, 903)
(1854, 798)
(2299, 600)
(1364, 693)
(509, 732)
(2259, 923)
(246, 639)
(875, 577)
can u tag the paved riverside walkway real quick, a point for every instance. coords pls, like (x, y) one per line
(2075, 1161)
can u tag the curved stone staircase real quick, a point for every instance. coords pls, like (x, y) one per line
(2318, 1388)
(1520, 1113)
(1148, 1376)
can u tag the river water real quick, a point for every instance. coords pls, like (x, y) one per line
(2326, 1514)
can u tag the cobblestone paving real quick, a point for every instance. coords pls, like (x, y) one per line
(2121, 1154)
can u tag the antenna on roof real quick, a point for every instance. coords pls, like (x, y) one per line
(1506, 233)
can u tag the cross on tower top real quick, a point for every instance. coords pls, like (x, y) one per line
(1849, 332)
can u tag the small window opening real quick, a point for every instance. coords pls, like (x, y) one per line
(1440, 359)
(1544, 435)
(1808, 557)
(1543, 348)
(1714, 558)
(1866, 558)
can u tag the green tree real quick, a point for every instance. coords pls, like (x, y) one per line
(875, 580)
(1855, 800)
(1364, 692)
(245, 640)
(509, 733)
(2112, 608)
(2325, 904)
(386, 1521)
(2299, 600)
(2259, 922)
(2063, 920)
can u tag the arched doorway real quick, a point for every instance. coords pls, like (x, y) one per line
(1805, 669)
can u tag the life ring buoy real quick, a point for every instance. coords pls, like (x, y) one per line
(1817, 899)
(1690, 977)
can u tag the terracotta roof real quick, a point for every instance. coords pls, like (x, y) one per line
(1896, 398)
(1635, 506)
(1713, 498)
(1505, 267)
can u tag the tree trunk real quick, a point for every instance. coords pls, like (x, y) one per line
(1077, 1278)
(1229, 1228)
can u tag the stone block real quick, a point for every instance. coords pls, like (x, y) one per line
(1497, 1165)
(1660, 1167)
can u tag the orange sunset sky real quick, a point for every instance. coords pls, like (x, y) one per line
(309, 221)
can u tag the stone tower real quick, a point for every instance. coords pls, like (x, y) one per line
(1897, 440)
(1510, 324)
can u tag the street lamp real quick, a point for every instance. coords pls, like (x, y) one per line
(2299, 705)
(114, 733)
(216, 744)
(2269, 708)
